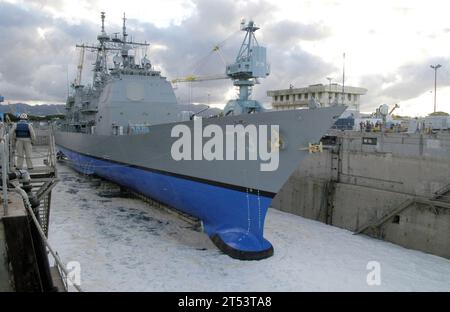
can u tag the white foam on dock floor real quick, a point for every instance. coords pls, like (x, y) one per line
(123, 244)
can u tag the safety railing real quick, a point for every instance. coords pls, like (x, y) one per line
(60, 265)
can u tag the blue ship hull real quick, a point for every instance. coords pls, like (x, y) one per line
(233, 219)
(230, 196)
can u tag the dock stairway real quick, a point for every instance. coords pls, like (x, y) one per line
(44, 177)
(440, 198)
(26, 197)
(442, 194)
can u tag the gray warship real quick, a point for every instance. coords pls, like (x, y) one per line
(127, 127)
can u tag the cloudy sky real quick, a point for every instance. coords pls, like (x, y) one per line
(389, 45)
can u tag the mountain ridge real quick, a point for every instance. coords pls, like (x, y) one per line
(36, 110)
(59, 109)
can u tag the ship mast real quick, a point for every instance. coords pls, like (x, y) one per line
(106, 44)
(124, 29)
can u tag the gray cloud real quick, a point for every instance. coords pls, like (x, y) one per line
(410, 81)
(288, 33)
(189, 42)
(34, 68)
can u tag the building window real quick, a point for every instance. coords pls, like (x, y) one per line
(349, 96)
(299, 97)
(306, 96)
(276, 98)
(287, 97)
(281, 98)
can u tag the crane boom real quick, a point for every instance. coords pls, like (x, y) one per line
(193, 78)
(393, 109)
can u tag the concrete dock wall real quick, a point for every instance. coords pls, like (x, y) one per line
(5, 278)
(365, 177)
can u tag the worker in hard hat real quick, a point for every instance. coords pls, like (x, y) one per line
(24, 136)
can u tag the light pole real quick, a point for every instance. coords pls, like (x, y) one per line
(343, 78)
(435, 67)
(329, 90)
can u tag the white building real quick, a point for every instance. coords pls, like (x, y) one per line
(293, 98)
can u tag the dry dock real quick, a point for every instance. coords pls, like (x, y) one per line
(124, 244)
(393, 186)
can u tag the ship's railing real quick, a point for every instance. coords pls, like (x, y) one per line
(60, 265)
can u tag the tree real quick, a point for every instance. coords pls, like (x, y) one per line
(439, 114)
(396, 117)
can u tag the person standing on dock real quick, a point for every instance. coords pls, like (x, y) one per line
(23, 134)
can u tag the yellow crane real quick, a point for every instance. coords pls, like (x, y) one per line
(394, 108)
(193, 78)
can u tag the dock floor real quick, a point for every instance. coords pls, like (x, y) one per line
(123, 244)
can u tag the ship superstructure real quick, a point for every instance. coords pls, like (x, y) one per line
(99, 107)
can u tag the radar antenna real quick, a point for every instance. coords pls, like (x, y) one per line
(124, 29)
(103, 21)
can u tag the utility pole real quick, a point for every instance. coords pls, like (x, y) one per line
(435, 67)
(329, 90)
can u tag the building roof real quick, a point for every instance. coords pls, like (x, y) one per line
(319, 88)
